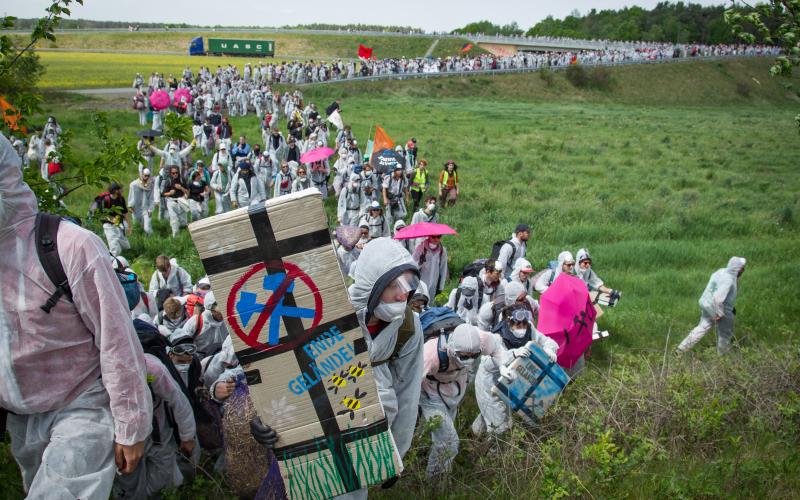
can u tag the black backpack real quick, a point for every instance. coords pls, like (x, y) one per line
(497, 246)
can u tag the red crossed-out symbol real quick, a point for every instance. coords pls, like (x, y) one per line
(251, 338)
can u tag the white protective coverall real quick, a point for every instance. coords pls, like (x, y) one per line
(442, 391)
(351, 199)
(398, 380)
(63, 427)
(141, 202)
(408, 244)
(716, 307)
(178, 280)
(211, 331)
(592, 280)
(487, 315)
(431, 257)
(467, 303)
(221, 186)
(495, 415)
(510, 253)
(241, 195)
(547, 278)
(519, 265)
(158, 468)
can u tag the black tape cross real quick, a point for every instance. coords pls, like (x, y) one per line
(271, 256)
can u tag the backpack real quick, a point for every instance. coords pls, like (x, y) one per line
(192, 300)
(497, 246)
(473, 269)
(479, 293)
(404, 334)
(437, 321)
(551, 266)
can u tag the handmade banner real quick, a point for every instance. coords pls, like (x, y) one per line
(567, 315)
(297, 337)
(537, 386)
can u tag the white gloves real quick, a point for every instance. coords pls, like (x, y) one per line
(553, 356)
(507, 373)
(521, 352)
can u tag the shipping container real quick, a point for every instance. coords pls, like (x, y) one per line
(234, 47)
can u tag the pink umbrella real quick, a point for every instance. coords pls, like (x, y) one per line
(159, 100)
(566, 315)
(423, 230)
(317, 154)
(182, 92)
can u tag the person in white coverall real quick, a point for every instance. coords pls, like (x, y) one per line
(246, 188)
(431, 257)
(207, 328)
(67, 430)
(351, 199)
(717, 307)
(445, 385)
(141, 200)
(566, 264)
(512, 336)
(385, 280)
(466, 301)
(170, 275)
(158, 468)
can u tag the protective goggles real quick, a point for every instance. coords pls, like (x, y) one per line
(468, 292)
(405, 283)
(184, 349)
(463, 356)
(520, 316)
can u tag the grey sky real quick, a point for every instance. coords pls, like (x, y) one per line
(426, 14)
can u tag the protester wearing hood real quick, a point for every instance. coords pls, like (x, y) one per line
(351, 199)
(431, 258)
(172, 413)
(221, 159)
(284, 180)
(170, 275)
(512, 336)
(421, 299)
(466, 300)
(585, 272)
(371, 182)
(490, 313)
(319, 177)
(172, 156)
(342, 171)
(207, 328)
(395, 193)
(408, 243)
(264, 169)
(717, 307)
(62, 430)
(521, 273)
(221, 371)
(514, 249)
(445, 384)
(566, 264)
(377, 222)
(140, 196)
(246, 188)
(175, 192)
(221, 186)
(385, 280)
(116, 223)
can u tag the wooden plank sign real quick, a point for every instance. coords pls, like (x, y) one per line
(274, 272)
(537, 386)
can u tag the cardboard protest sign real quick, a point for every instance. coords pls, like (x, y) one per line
(275, 273)
(605, 299)
(537, 386)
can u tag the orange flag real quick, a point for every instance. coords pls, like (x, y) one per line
(10, 115)
(382, 139)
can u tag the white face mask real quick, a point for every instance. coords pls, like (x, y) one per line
(390, 312)
(431, 207)
(433, 246)
(465, 363)
(519, 332)
(302, 177)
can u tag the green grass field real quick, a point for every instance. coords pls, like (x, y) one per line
(663, 178)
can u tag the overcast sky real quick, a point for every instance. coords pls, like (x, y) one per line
(426, 14)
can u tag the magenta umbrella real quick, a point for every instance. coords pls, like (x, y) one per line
(423, 230)
(182, 92)
(566, 315)
(317, 154)
(159, 100)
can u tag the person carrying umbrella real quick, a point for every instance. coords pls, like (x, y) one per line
(448, 184)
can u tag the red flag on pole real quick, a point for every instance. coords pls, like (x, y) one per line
(364, 52)
(467, 47)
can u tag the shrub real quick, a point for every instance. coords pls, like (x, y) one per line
(600, 79)
(547, 77)
(577, 76)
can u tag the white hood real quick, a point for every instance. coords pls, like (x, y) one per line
(17, 201)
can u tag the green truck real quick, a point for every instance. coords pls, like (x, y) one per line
(235, 47)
